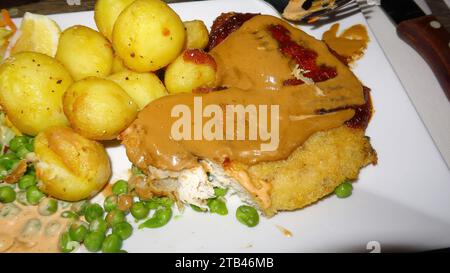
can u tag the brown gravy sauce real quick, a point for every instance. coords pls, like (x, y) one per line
(253, 69)
(149, 141)
(350, 44)
(23, 229)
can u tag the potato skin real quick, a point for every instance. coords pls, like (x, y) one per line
(142, 87)
(148, 35)
(106, 13)
(85, 52)
(70, 166)
(98, 109)
(185, 75)
(31, 89)
(197, 35)
(117, 65)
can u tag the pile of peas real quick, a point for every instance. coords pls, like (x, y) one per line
(25, 190)
(105, 228)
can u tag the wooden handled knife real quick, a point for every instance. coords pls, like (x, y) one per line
(427, 34)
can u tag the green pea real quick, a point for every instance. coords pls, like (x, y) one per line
(66, 245)
(110, 203)
(120, 187)
(136, 171)
(7, 194)
(220, 192)
(139, 210)
(34, 195)
(3, 171)
(48, 206)
(79, 207)
(93, 211)
(159, 218)
(31, 228)
(344, 190)
(26, 181)
(247, 215)
(8, 161)
(99, 225)
(157, 202)
(94, 240)
(112, 244)
(22, 152)
(124, 230)
(78, 231)
(115, 216)
(64, 204)
(197, 208)
(52, 228)
(210, 176)
(21, 197)
(9, 210)
(31, 170)
(17, 142)
(217, 205)
(69, 215)
(30, 145)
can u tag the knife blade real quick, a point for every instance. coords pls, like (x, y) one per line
(425, 34)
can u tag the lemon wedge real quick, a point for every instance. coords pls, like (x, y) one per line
(37, 33)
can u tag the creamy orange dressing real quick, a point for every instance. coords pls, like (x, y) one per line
(350, 44)
(23, 229)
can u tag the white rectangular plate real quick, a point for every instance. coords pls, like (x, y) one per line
(402, 204)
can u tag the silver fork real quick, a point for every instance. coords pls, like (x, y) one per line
(340, 9)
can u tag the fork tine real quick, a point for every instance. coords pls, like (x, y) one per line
(338, 5)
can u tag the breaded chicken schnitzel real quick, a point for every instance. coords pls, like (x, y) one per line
(326, 111)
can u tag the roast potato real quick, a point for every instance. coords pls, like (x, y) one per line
(142, 87)
(148, 35)
(106, 13)
(117, 65)
(98, 108)
(84, 52)
(191, 70)
(70, 166)
(31, 89)
(196, 34)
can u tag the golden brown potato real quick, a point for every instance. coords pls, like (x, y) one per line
(31, 89)
(85, 52)
(118, 65)
(98, 108)
(196, 34)
(142, 87)
(106, 13)
(148, 35)
(191, 70)
(70, 166)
